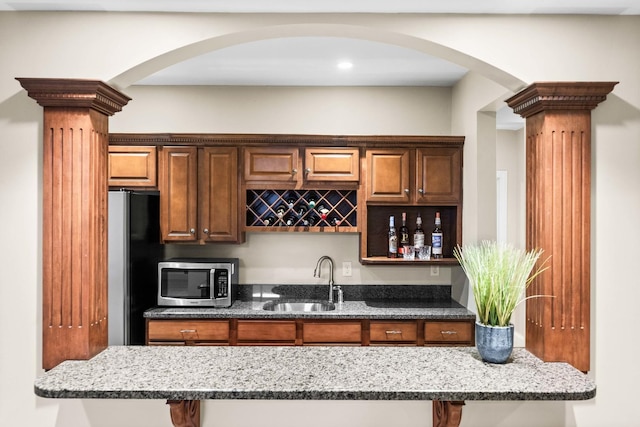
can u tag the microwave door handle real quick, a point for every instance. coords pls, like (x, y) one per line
(212, 283)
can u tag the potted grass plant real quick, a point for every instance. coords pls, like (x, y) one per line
(499, 275)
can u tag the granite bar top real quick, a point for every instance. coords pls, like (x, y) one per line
(361, 302)
(312, 373)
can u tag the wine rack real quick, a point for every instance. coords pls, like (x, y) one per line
(302, 210)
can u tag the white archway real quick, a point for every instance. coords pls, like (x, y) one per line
(183, 53)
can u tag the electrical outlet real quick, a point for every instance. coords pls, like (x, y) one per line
(435, 270)
(346, 269)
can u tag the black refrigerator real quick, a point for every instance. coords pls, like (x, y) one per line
(134, 252)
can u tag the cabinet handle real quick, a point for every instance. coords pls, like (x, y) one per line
(206, 231)
(406, 190)
(294, 171)
(393, 332)
(188, 331)
(192, 231)
(448, 332)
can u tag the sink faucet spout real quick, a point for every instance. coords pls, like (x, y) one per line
(316, 273)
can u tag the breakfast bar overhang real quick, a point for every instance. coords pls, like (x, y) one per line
(183, 376)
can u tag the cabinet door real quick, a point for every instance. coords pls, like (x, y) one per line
(439, 175)
(332, 164)
(266, 332)
(132, 166)
(218, 194)
(187, 331)
(388, 175)
(178, 193)
(272, 164)
(328, 332)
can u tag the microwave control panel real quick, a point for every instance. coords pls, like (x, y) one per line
(221, 283)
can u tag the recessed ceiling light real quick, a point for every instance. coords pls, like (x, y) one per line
(345, 65)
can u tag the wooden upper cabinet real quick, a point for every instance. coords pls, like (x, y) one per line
(332, 164)
(414, 176)
(388, 175)
(199, 194)
(439, 175)
(281, 164)
(178, 193)
(132, 166)
(218, 194)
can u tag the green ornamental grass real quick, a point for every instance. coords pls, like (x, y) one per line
(499, 274)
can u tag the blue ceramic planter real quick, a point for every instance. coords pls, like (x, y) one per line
(494, 343)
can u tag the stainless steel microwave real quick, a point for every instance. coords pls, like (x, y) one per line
(197, 282)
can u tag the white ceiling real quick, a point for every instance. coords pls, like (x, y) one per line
(312, 61)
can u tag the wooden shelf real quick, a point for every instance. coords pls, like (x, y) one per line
(379, 260)
(301, 229)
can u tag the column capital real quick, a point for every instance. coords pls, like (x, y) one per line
(92, 94)
(543, 96)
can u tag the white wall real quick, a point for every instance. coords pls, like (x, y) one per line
(545, 48)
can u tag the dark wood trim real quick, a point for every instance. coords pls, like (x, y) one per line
(184, 413)
(447, 413)
(282, 139)
(558, 212)
(547, 96)
(75, 93)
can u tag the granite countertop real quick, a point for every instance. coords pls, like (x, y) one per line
(313, 373)
(361, 302)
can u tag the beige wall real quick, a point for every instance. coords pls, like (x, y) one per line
(504, 53)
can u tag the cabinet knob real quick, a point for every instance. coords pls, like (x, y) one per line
(420, 190)
(307, 171)
(192, 231)
(406, 190)
(205, 231)
(294, 171)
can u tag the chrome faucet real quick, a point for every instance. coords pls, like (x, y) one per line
(316, 273)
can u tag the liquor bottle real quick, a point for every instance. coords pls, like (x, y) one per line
(393, 239)
(436, 238)
(404, 234)
(418, 234)
(270, 220)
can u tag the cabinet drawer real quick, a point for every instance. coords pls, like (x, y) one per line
(332, 332)
(188, 330)
(444, 332)
(132, 166)
(393, 331)
(269, 330)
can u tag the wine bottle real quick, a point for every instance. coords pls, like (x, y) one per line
(270, 220)
(418, 234)
(323, 212)
(280, 211)
(311, 201)
(291, 220)
(404, 234)
(393, 239)
(436, 238)
(290, 202)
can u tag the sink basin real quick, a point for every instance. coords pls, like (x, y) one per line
(305, 306)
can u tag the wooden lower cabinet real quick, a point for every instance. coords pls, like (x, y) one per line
(334, 332)
(188, 332)
(411, 332)
(449, 332)
(266, 332)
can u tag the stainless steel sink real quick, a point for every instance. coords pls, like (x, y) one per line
(304, 306)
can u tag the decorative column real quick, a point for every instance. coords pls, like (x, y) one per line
(558, 212)
(74, 240)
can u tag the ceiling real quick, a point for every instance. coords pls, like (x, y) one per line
(313, 61)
